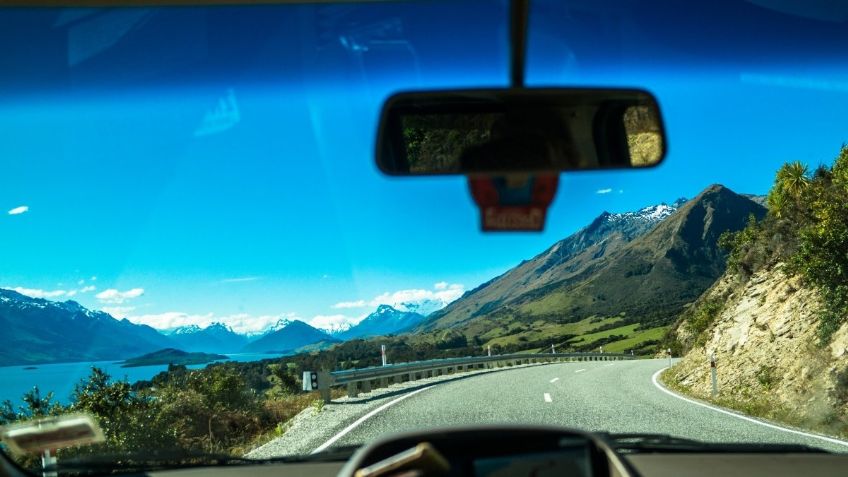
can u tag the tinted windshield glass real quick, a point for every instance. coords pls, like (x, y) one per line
(192, 220)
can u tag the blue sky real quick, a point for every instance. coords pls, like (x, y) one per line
(246, 200)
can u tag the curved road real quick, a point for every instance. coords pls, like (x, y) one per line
(618, 396)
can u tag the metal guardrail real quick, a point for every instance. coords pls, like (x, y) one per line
(366, 379)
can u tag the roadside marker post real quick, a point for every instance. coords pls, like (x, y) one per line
(383, 353)
(713, 373)
(553, 350)
(310, 381)
(669, 357)
(48, 460)
(489, 349)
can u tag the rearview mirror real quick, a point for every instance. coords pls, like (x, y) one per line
(519, 130)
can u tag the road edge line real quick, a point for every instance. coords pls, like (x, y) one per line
(742, 416)
(364, 418)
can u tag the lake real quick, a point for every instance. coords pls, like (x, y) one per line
(61, 377)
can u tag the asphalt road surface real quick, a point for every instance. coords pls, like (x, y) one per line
(619, 396)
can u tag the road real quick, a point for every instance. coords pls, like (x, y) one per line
(618, 396)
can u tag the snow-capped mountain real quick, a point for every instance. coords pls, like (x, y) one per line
(567, 258)
(35, 330)
(338, 329)
(422, 307)
(650, 215)
(215, 338)
(182, 330)
(288, 338)
(647, 263)
(386, 320)
(280, 324)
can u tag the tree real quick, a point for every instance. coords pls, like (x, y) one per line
(283, 382)
(130, 421)
(789, 186)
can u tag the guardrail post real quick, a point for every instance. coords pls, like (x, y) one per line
(384, 382)
(324, 385)
(352, 390)
(366, 386)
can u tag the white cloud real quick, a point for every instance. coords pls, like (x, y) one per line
(250, 324)
(603, 191)
(172, 319)
(86, 289)
(239, 279)
(80, 282)
(620, 191)
(19, 210)
(93, 278)
(420, 300)
(118, 311)
(38, 293)
(351, 304)
(113, 296)
(240, 323)
(334, 322)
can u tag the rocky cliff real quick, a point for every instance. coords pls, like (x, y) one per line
(769, 361)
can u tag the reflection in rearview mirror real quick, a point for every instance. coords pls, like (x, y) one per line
(644, 136)
(497, 131)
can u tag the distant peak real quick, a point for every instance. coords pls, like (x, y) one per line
(716, 188)
(281, 323)
(679, 202)
(385, 309)
(217, 325)
(188, 329)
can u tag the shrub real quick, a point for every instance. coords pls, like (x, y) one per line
(701, 317)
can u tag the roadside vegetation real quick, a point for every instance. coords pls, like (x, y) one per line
(178, 416)
(807, 228)
(795, 259)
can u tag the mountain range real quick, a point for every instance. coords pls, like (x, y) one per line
(215, 338)
(35, 330)
(641, 267)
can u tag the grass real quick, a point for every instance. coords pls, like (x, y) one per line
(636, 340)
(540, 330)
(586, 335)
(590, 338)
(283, 409)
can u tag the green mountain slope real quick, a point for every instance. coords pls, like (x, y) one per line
(639, 276)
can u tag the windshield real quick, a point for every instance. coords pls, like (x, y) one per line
(199, 252)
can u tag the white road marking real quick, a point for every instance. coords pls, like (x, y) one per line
(548, 398)
(740, 416)
(580, 370)
(364, 418)
(554, 380)
(609, 364)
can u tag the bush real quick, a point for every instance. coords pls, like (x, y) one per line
(701, 317)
